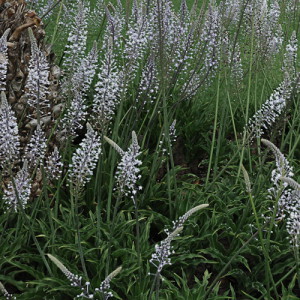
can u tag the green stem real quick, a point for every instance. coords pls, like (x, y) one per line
(56, 23)
(214, 130)
(138, 246)
(268, 270)
(112, 231)
(77, 225)
(155, 286)
(248, 100)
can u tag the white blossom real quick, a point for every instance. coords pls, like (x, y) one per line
(82, 75)
(36, 149)
(76, 281)
(290, 7)
(73, 278)
(127, 170)
(181, 220)
(172, 132)
(85, 158)
(236, 63)
(37, 84)
(54, 165)
(288, 199)
(3, 60)
(149, 86)
(171, 34)
(184, 12)
(283, 169)
(75, 115)
(75, 49)
(105, 284)
(96, 16)
(136, 42)
(210, 39)
(9, 134)
(270, 110)
(262, 21)
(269, 30)
(290, 57)
(231, 10)
(163, 250)
(18, 191)
(42, 7)
(107, 91)
(115, 25)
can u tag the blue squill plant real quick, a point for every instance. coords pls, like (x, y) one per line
(9, 135)
(3, 60)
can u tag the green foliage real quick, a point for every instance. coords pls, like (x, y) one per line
(221, 253)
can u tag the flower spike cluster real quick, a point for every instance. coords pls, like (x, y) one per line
(181, 220)
(3, 59)
(210, 38)
(128, 168)
(108, 89)
(84, 160)
(18, 191)
(138, 38)
(37, 147)
(163, 250)
(270, 110)
(283, 168)
(277, 102)
(54, 165)
(76, 281)
(288, 199)
(84, 74)
(149, 85)
(38, 78)
(290, 57)
(73, 278)
(77, 38)
(6, 294)
(9, 137)
(105, 284)
(74, 116)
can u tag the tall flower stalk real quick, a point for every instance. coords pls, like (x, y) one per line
(127, 177)
(266, 116)
(127, 170)
(76, 280)
(107, 91)
(86, 291)
(84, 160)
(36, 149)
(38, 80)
(75, 49)
(18, 190)
(74, 116)
(163, 250)
(3, 60)
(288, 206)
(9, 135)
